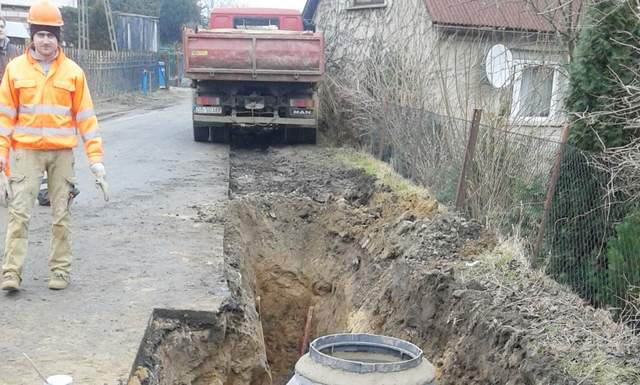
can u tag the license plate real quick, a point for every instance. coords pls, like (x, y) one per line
(207, 110)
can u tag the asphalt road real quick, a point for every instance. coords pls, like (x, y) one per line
(142, 250)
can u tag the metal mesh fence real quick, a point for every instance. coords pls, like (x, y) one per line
(429, 151)
(591, 242)
(508, 181)
(113, 73)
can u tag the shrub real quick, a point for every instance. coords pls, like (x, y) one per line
(623, 254)
(599, 74)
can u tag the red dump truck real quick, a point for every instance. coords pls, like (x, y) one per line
(254, 69)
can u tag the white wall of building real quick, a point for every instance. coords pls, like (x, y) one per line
(28, 3)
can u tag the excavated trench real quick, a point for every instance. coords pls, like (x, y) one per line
(354, 257)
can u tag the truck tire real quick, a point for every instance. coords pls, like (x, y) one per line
(309, 135)
(300, 135)
(200, 133)
(220, 134)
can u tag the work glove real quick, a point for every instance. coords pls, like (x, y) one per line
(5, 191)
(100, 173)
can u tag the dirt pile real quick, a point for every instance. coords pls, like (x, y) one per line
(202, 348)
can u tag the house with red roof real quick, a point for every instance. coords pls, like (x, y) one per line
(507, 57)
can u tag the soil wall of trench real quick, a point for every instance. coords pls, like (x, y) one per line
(364, 259)
(355, 266)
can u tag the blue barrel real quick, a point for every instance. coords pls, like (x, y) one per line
(162, 75)
(145, 82)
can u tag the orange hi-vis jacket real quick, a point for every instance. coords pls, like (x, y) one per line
(47, 112)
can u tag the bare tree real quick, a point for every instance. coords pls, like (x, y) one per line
(209, 5)
(406, 90)
(622, 164)
(564, 16)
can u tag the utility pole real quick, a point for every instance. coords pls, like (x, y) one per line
(112, 31)
(83, 25)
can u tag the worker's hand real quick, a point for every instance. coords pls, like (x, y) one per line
(5, 191)
(3, 164)
(100, 173)
(98, 170)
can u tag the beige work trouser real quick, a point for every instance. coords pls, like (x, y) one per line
(29, 165)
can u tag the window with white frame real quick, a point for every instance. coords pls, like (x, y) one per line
(536, 93)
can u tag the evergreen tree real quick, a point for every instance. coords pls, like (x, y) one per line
(174, 14)
(601, 62)
(140, 7)
(70, 28)
(624, 260)
(98, 31)
(605, 61)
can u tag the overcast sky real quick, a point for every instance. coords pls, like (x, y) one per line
(293, 4)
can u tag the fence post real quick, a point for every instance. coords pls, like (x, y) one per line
(468, 158)
(553, 183)
(381, 133)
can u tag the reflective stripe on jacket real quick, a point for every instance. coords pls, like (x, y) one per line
(47, 112)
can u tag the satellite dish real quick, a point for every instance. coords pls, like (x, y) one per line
(499, 66)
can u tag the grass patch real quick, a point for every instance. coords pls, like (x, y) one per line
(587, 343)
(381, 170)
(599, 370)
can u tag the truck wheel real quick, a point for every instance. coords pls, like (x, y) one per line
(200, 133)
(220, 134)
(289, 135)
(309, 135)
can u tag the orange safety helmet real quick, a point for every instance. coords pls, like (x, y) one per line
(44, 12)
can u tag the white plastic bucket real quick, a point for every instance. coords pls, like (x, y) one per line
(60, 379)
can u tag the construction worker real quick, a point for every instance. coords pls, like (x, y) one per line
(44, 105)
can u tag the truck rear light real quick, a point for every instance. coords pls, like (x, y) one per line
(301, 103)
(208, 100)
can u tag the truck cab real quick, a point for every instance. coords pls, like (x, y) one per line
(256, 18)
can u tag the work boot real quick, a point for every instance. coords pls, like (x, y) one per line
(59, 281)
(11, 282)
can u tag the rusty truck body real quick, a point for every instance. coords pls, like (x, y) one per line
(254, 69)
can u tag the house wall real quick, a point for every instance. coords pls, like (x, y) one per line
(359, 38)
(18, 10)
(444, 67)
(463, 85)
